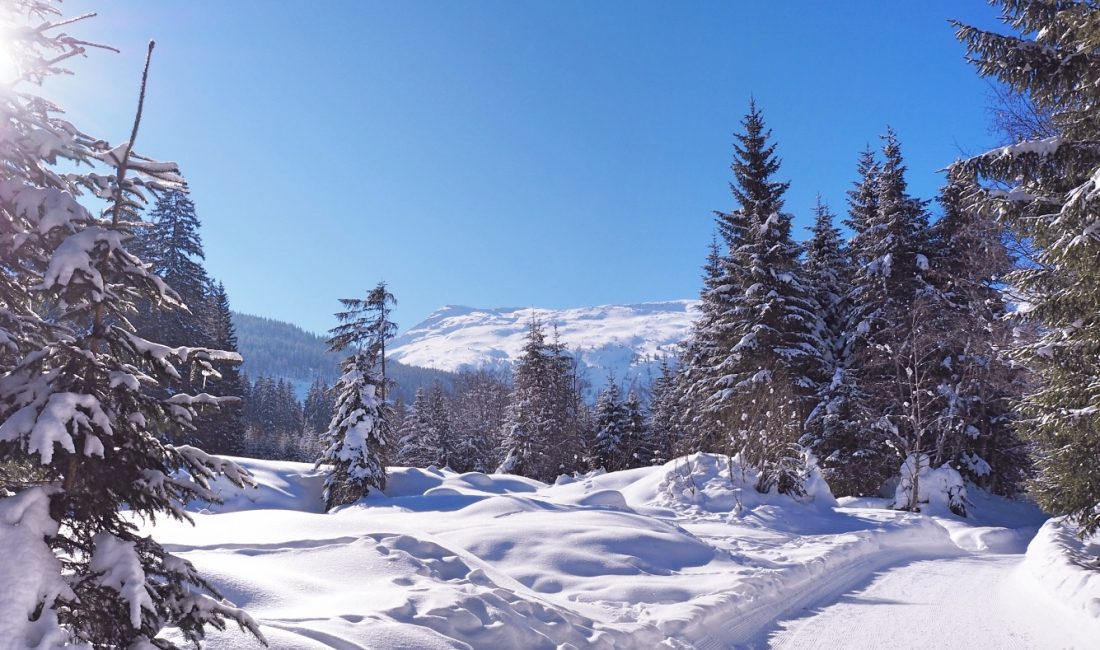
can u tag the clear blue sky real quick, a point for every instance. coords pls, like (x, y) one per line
(510, 153)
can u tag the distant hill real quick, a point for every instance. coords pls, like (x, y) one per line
(627, 340)
(283, 350)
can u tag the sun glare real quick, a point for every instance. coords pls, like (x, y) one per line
(8, 66)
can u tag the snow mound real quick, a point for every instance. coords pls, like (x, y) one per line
(940, 491)
(280, 485)
(681, 555)
(1067, 565)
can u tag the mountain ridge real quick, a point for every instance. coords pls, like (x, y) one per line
(627, 341)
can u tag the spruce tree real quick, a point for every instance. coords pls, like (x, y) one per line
(543, 432)
(863, 207)
(834, 426)
(225, 427)
(700, 356)
(428, 436)
(976, 432)
(478, 413)
(642, 449)
(1051, 201)
(412, 443)
(171, 243)
(767, 328)
(358, 435)
(611, 448)
(318, 406)
(88, 404)
(663, 427)
(526, 438)
(895, 342)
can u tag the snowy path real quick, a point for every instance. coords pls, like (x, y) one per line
(973, 602)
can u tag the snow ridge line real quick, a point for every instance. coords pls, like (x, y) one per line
(739, 618)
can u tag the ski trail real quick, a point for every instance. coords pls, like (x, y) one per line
(974, 602)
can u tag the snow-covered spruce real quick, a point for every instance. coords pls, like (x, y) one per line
(1052, 201)
(754, 357)
(542, 435)
(86, 404)
(358, 436)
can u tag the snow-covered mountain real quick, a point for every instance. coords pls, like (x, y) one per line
(628, 340)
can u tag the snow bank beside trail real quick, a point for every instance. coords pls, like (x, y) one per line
(1068, 566)
(994, 524)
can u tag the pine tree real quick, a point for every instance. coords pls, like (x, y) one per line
(172, 245)
(525, 437)
(663, 429)
(834, 426)
(410, 436)
(863, 207)
(224, 427)
(359, 432)
(479, 408)
(83, 405)
(543, 433)
(767, 329)
(699, 358)
(895, 343)
(426, 438)
(642, 449)
(611, 449)
(1052, 202)
(317, 409)
(977, 426)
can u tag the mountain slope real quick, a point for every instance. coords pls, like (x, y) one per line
(282, 350)
(628, 340)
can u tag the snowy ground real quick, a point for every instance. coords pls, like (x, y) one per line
(677, 556)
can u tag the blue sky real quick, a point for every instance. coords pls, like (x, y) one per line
(510, 153)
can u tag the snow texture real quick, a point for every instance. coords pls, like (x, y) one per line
(1068, 566)
(682, 555)
(30, 573)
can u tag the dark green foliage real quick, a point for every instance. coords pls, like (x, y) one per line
(611, 448)
(544, 434)
(750, 367)
(1052, 202)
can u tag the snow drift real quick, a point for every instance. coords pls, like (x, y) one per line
(681, 555)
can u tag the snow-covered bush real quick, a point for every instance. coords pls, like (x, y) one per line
(932, 491)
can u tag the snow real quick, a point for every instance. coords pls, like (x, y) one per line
(940, 491)
(29, 572)
(43, 426)
(119, 568)
(682, 555)
(628, 340)
(974, 602)
(1067, 565)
